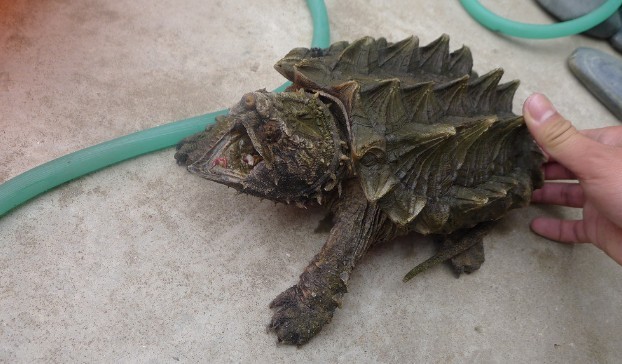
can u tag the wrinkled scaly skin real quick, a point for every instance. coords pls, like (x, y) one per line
(392, 138)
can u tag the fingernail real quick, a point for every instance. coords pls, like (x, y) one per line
(540, 108)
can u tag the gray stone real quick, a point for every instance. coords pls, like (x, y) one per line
(616, 41)
(572, 9)
(601, 73)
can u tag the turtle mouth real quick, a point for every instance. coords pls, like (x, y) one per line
(231, 160)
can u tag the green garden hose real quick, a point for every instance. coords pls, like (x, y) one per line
(540, 31)
(38, 180)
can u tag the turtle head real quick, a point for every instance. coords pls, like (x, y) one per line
(284, 147)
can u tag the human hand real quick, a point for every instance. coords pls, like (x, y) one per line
(591, 157)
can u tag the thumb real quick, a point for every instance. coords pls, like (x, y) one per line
(558, 137)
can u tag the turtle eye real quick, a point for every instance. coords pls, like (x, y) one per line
(372, 157)
(271, 131)
(249, 101)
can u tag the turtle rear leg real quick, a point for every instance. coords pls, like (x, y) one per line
(470, 259)
(464, 249)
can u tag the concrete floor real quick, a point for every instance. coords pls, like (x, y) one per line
(143, 262)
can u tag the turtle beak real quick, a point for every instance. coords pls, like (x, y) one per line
(231, 160)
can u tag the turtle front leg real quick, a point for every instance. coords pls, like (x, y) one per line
(301, 311)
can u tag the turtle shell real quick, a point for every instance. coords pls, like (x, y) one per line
(436, 146)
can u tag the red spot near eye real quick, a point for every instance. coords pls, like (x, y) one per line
(222, 162)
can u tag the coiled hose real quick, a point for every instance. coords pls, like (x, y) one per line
(38, 180)
(540, 31)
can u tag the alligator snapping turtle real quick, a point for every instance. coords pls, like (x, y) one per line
(393, 138)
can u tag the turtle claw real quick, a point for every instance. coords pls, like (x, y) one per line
(296, 318)
(469, 260)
